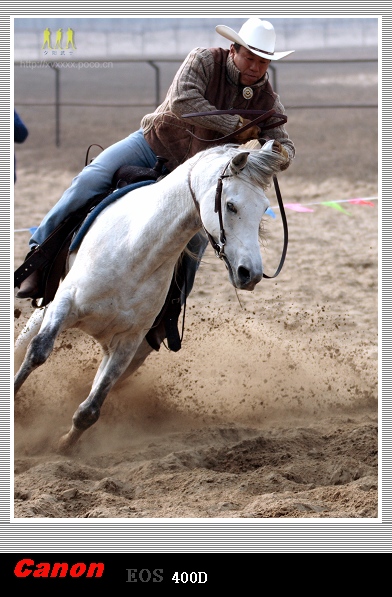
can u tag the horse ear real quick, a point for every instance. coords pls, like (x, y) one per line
(238, 162)
(268, 146)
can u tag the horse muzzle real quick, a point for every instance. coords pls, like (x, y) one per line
(244, 278)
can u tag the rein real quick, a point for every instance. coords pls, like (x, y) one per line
(219, 248)
(262, 115)
(285, 229)
(87, 161)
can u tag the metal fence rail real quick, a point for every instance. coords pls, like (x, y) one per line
(155, 63)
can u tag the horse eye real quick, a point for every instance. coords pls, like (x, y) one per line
(231, 207)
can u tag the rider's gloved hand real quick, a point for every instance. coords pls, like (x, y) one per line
(278, 147)
(251, 133)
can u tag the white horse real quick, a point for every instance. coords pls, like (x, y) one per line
(119, 277)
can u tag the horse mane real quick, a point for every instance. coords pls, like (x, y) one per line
(260, 167)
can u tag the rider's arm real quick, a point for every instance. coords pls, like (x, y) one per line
(186, 95)
(187, 91)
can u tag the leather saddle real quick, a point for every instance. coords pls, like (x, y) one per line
(51, 256)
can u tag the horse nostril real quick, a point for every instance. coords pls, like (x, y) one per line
(243, 274)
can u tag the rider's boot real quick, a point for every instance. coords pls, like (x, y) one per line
(30, 286)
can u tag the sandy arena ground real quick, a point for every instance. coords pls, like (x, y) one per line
(270, 409)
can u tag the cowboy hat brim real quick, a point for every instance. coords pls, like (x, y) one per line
(233, 36)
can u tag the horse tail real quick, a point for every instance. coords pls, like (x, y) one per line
(26, 335)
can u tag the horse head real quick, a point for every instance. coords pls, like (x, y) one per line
(232, 221)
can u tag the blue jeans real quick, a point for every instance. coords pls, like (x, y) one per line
(96, 178)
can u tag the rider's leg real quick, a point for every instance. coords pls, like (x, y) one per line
(197, 246)
(94, 179)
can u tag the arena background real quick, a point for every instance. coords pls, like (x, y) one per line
(270, 409)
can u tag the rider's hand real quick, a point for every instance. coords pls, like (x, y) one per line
(251, 133)
(278, 147)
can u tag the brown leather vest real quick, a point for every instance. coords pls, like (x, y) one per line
(169, 136)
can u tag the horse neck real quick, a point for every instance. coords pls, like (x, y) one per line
(177, 213)
(174, 207)
(193, 180)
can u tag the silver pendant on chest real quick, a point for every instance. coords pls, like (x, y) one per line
(247, 92)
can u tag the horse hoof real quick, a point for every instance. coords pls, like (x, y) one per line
(68, 441)
(64, 446)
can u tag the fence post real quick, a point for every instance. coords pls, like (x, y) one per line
(157, 82)
(57, 103)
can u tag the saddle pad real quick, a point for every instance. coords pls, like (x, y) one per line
(101, 206)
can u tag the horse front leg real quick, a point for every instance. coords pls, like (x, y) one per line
(42, 344)
(22, 342)
(70, 438)
(114, 364)
(40, 348)
(140, 356)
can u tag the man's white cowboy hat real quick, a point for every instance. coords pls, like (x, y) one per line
(255, 35)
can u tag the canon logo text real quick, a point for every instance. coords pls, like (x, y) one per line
(28, 567)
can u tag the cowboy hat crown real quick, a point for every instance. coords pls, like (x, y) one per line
(255, 35)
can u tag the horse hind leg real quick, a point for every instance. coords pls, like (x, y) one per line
(114, 364)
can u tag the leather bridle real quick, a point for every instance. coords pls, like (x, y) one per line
(219, 247)
(261, 116)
